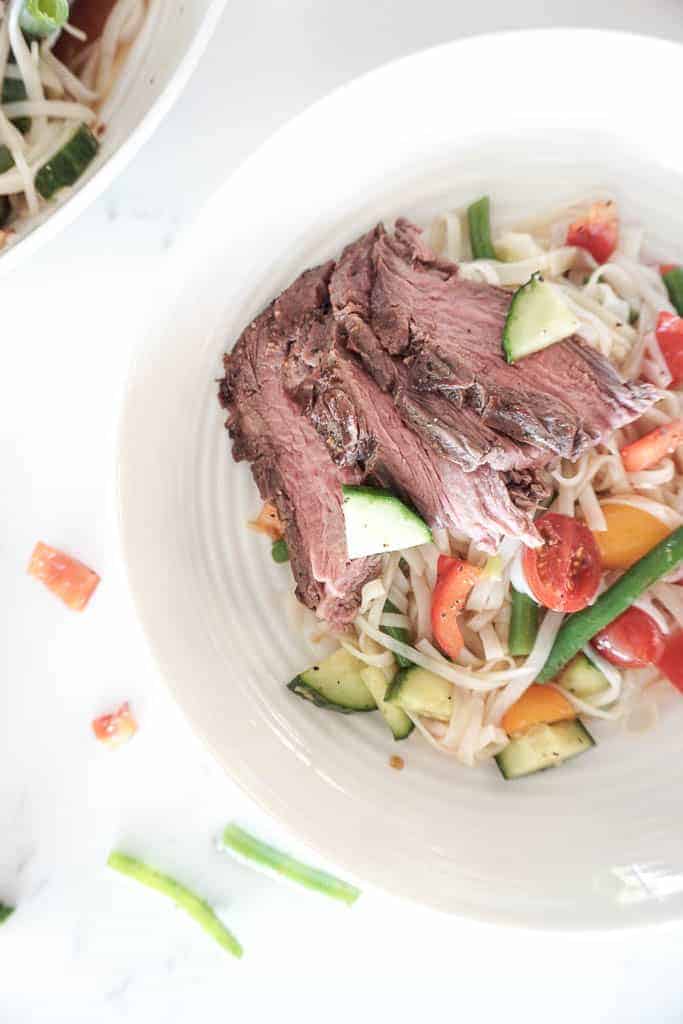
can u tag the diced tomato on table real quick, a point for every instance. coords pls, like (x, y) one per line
(65, 576)
(116, 728)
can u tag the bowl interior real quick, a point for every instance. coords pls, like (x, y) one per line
(598, 843)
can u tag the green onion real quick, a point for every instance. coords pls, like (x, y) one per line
(674, 285)
(241, 842)
(5, 912)
(479, 220)
(523, 624)
(182, 897)
(280, 551)
(43, 17)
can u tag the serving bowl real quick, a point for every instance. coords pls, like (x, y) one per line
(156, 70)
(595, 844)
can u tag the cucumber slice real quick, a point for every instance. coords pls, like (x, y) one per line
(393, 715)
(335, 684)
(398, 633)
(582, 678)
(538, 317)
(543, 746)
(68, 164)
(14, 91)
(421, 693)
(377, 521)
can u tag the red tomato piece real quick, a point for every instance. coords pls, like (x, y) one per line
(445, 563)
(647, 451)
(633, 640)
(597, 232)
(564, 574)
(448, 600)
(117, 728)
(666, 268)
(670, 338)
(63, 575)
(671, 660)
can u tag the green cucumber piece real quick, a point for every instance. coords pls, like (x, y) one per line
(420, 692)
(68, 164)
(335, 684)
(14, 91)
(543, 746)
(538, 317)
(393, 715)
(674, 285)
(246, 845)
(581, 627)
(5, 912)
(181, 896)
(377, 521)
(479, 222)
(397, 633)
(523, 624)
(582, 678)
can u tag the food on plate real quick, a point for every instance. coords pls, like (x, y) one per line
(5, 912)
(470, 442)
(254, 850)
(58, 63)
(629, 533)
(65, 576)
(116, 728)
(181, 896)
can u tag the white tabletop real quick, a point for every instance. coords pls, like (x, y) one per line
(85, 946)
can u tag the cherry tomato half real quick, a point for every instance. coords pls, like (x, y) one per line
(633, 640)
(671, 661)
(564, 574)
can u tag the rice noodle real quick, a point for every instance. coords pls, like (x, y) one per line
(382, 660)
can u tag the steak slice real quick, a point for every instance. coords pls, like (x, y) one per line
(433, 340)
(289, 461)
(361, 427)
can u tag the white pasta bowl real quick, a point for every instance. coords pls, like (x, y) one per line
(597, 843)
(157, 68)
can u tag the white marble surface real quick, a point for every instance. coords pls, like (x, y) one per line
(84, 945)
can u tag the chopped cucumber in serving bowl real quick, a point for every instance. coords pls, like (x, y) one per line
(538, 317)
(377, 522)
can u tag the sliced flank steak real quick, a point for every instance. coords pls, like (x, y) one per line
(289, 461)
(361, 427)
(433, 340)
